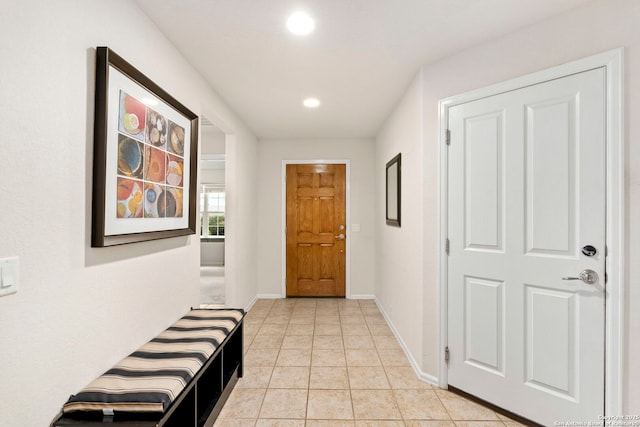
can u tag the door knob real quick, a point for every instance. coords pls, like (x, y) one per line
(340, 236)
(587, 276)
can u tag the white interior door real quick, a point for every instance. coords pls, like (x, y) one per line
(526, 195)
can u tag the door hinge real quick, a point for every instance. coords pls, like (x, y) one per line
(446, 246)
(448, 137)
(446, 354)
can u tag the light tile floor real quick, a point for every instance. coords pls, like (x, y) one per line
(336, 363)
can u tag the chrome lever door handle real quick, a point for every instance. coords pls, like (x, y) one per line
(587, 276)
(340, 236)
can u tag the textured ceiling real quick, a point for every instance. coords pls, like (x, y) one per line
(359, 60)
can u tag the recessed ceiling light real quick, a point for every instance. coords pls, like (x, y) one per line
(300, 23)
(311, 102)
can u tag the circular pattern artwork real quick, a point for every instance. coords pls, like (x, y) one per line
(150, 165)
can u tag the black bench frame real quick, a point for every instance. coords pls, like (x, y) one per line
(199, 403)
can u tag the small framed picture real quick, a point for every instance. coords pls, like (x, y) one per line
(393, 186)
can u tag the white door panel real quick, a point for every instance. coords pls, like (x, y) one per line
(550, 355)
(484, 198)
(484, 324)
(551, 177)
(526, 193)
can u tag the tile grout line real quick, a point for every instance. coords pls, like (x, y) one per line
(270, 375)
(384, 369)
(306, 409)
(353, 410)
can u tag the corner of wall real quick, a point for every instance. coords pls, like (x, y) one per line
(433, 380)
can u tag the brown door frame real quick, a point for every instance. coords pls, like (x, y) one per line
(347, 267)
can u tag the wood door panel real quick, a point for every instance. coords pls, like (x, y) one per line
(304, 261)
(327, 218)
(316, 209)
(316, 192)
(305, 214)
(320, 288)
(304, 180)
(326, 262)
(316, 238)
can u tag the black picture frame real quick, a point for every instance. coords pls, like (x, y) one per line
(393, 190)
(144, 160)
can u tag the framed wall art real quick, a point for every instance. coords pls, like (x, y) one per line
(393, 190)
(145, 158)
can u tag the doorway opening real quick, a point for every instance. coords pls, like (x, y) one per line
(211, 226)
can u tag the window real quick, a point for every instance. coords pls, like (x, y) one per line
(212, 210)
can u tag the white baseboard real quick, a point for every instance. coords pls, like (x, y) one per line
(428, 378)
(248, 307)
(362, 296)
(279, 296)
(269, 296)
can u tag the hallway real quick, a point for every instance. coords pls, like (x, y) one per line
(212, 286)
(335, 362)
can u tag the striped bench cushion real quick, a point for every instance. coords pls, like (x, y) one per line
(149, 379)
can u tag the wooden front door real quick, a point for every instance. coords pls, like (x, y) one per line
(316, 230)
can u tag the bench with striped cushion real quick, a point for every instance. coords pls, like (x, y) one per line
(151, 379)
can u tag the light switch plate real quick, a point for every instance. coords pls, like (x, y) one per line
(355, 228)
(8, 276)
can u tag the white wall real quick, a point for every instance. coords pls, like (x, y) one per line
(399, 251)
(212, 140)
(270, 206)
(79, 309)
(212, 254)
(212, 176)
(597, 27)
(241, 204)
